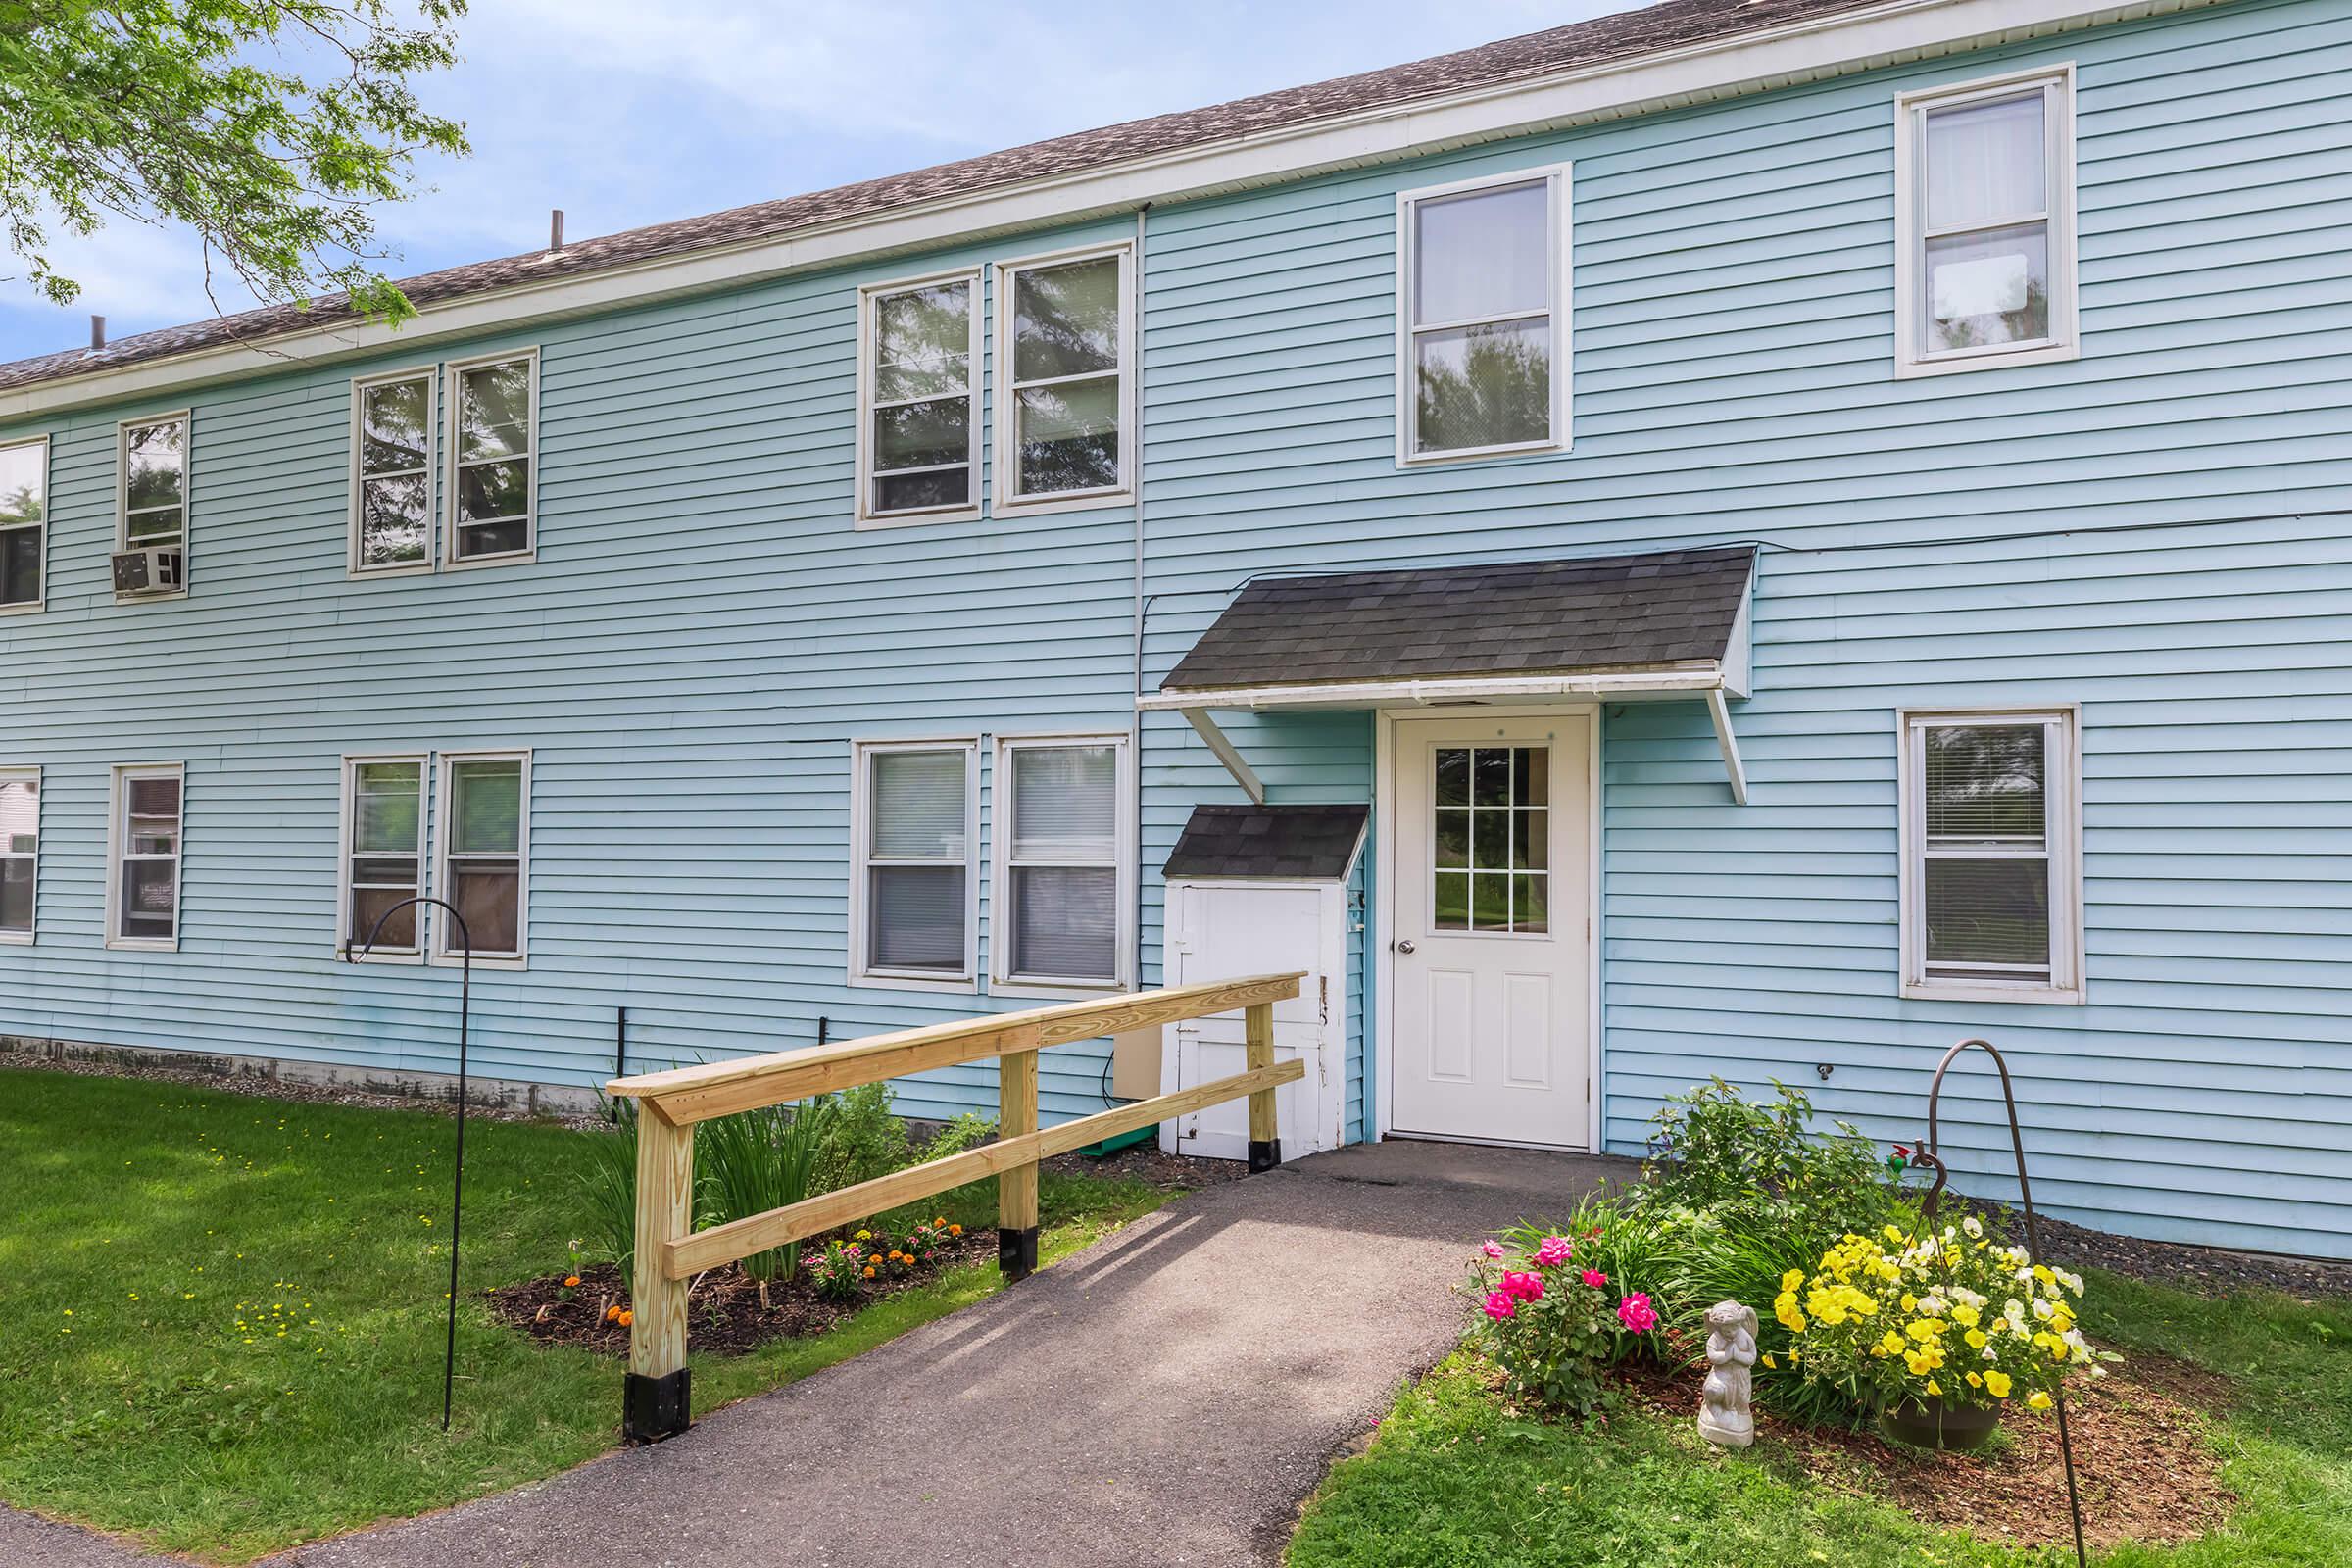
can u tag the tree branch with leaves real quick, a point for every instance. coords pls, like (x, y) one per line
(275, 130)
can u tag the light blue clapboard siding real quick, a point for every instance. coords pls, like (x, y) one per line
(1734, 303)
(705, 634)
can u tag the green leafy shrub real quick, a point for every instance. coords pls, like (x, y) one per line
(864, 1138)
(1762, 1162)
(610, 1186)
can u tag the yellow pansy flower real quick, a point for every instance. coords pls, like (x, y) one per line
(1998, 1383)
(2037, 1400)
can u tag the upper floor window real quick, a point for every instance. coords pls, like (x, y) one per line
(1063, 887)
(152, 465)
(383, 856)
(918, 445)
(19, 852)
(1483, 317)
(1992, 881)
(24, 520)
(485, 852)
(1065, 411)
(1984, 197)
(391, 477)
(144, 849)
(916, 883)
(492, 440)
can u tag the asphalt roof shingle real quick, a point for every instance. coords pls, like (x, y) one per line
(1509, 617)
(1267, 843)
(1670, 25)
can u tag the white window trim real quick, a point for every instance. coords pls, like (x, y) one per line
(869, 299)
(40, 571)
(30, 934)
(1911, 358)
(438, 879)
(430, 377)
(1003, 281)
(116, 800)
(1560, 180)
(453, 405)
(345, 936)
(1001, 982)
(863, 972)
(188, 497)
(2062, 790)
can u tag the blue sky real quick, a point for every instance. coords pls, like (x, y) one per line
(630, 112)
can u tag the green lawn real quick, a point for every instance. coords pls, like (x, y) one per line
(1453, 1480)
(224, 1315)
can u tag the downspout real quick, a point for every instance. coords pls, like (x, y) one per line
(1135, 720)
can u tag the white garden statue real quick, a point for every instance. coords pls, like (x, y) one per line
(1723, 1414)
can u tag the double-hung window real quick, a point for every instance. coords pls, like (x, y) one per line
(391, 472)
(1063, 887)
(1065, 400)
(383, 856)
(1991, 877)
(19, 852)
(1984, 205)
(143, 856)
(485, 853)
(151, 461)
(24, 521)
(493, 419)
(914, 900)
(1482, 353)
(919, 440)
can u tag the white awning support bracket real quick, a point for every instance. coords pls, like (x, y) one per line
(1721, 713)
(1221, 744)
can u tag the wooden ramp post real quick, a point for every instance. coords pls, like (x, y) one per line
(656, 1399)
(1266, 1131)
(1017, 1187)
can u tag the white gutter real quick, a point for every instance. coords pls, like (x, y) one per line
(1698, 74)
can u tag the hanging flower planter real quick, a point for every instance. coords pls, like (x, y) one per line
(1930, 1423)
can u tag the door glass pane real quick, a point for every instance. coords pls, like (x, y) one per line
(919, 805)
(1065, 320)
(1490, 901)
(1453, 838)
(917, 920)
(1482, 255)
(1986, 162)
(392, 420)
(1530, 904)
(1988, 288)
(494, 411)
(1491, 841)
(384, 807)
(1988, 911)
(1454, 775)
(1065, 922)
(1985, 784)
(150, 898)
(1066, 802)
(488, 894)
(1069, 436)
(922, 342)
(24, 485)
(1503, 835)
(485, 808)
(1482, 386)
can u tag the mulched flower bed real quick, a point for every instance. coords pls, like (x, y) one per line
(723, 1314)
(2140, 1457)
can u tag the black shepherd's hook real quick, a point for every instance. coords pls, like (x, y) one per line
(1927, 1155)
(457, 1193)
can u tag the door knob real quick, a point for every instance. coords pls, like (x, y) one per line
(1405, 946)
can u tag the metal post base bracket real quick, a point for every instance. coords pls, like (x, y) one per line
(1016, 1253)
(653, 1408)
(1264, 1154)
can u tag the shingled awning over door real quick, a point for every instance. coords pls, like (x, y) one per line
(1673, 623)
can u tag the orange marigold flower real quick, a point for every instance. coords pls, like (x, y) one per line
(611, 1312)
(954, 1230)
(870, 1271)
(626, 1318)
(571, 1279)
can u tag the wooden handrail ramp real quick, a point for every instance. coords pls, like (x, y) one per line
(670, 1251)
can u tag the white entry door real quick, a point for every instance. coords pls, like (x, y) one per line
(1489, 929)
(1227, 931)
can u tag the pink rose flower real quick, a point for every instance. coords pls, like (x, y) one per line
(1637, 1314)
(1595, 1278)
(1526, 1287)
(1493, 1249)
(1555, 1252)
(1501, 1306)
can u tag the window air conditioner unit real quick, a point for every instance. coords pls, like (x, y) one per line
(149, 571)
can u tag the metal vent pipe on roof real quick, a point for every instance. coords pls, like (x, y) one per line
(97, 333)
(555, 229)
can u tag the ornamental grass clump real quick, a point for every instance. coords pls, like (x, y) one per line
(1951, 1320)
(1553, 1323)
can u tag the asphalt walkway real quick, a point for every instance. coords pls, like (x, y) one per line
(1169, 1397)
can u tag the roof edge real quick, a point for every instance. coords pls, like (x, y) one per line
(1792, 53)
